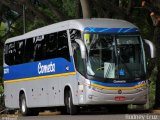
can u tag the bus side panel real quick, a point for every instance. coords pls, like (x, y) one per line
(71, 82)
(11, 95)
(53, 91)
(35, 92)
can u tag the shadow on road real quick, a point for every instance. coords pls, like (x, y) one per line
(107, 112)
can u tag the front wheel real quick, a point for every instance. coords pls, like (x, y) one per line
(71, 108)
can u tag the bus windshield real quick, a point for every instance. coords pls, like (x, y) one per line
(115, 57)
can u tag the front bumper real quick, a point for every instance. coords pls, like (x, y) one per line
(93, 97)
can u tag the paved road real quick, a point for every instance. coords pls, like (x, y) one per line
(92, 116)
(95, 117)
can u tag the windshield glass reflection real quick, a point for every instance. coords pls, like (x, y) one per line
(115, 57)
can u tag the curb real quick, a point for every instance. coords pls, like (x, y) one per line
(45, 113)
(156, 111)
(49, 113)
(7, 116)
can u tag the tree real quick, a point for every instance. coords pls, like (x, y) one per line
(1, 89)
(86, 8)
(153, 6)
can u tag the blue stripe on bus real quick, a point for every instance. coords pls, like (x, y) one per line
(111, 30)
(116, 84)
(39, 68)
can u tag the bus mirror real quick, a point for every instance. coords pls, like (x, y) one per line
(150, 49)
(82, 48)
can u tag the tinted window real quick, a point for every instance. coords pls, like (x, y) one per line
(19, 52)
(79, 64)
(29, 50)
(9, 53)
(39, 48)
(51, 45)
(63, 49)
(74, 34)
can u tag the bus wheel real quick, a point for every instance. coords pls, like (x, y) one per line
(71, 108)
(23, 106)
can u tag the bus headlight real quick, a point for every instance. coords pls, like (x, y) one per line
(96, 89)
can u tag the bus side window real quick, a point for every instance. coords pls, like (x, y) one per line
(75, 34)
(79, 63)
(6, 54)
(10, 53)
(39, 49)
(29, 50)
(63, 49)
(51, 45)
(19, 52)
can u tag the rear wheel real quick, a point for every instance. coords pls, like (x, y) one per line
(71, 108)
(23, 107)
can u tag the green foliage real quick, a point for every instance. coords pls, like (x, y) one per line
(3, 29)
(1, 89)
(69, 7)
(152, 88)
(145, 28)
(36, 24)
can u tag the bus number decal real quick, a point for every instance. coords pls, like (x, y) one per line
(6, 70)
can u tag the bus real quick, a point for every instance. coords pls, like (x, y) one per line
(76, 64)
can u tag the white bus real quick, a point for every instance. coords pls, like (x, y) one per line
(76, 63)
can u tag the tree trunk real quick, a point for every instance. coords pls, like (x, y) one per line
(86, 8)
(153, 8)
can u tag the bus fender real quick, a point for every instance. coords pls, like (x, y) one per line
(23, 91)
(74, 94)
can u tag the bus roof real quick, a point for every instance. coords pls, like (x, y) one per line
(79, 24)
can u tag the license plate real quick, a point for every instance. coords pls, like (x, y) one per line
(120, 98)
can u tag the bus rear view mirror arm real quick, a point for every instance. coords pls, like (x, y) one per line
(82, 48)
(152, 48)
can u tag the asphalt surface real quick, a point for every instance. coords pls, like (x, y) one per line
(132, 115)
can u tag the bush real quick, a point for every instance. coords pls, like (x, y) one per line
(1, 98)
(1, 89)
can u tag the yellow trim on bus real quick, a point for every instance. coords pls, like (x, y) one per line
(118, 88)
(40, 77)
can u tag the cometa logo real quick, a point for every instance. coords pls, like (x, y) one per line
(42, 69)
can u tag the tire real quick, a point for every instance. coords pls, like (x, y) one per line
(71, 108)
(63, 110)
(23, 107)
